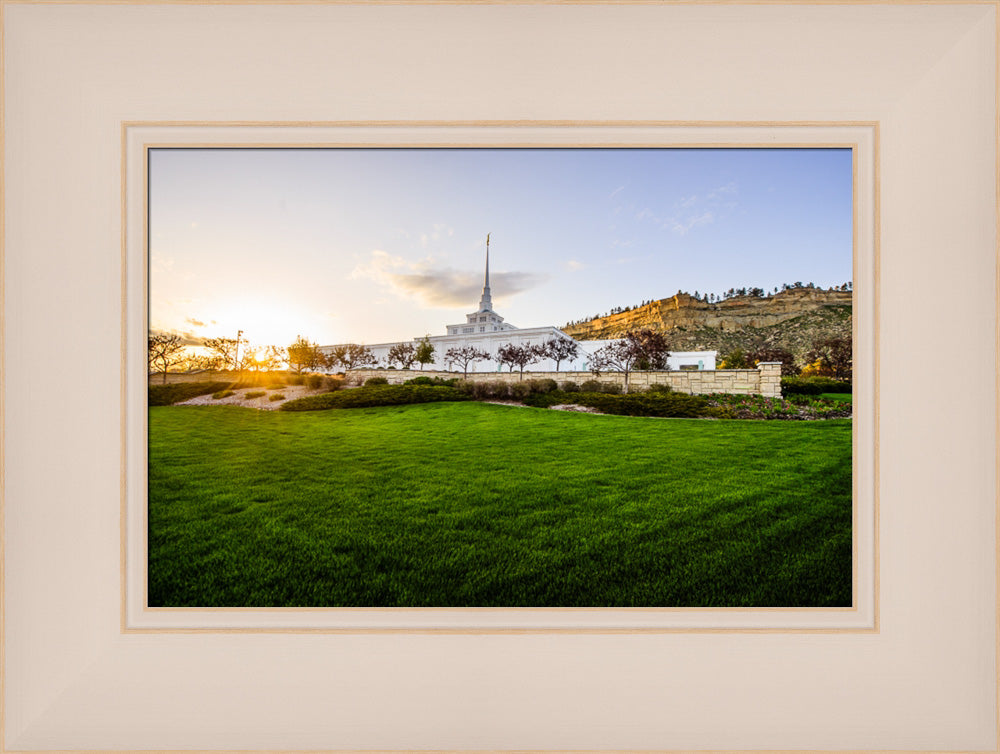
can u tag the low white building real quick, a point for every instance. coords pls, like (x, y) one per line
(487, 331)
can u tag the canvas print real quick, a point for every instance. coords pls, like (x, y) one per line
(500, 377)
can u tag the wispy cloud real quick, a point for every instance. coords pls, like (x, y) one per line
(188, 338)
(575, 265)
(438, 231)
(696, 210)
(440, 287)
(682, 225)
(194, 322)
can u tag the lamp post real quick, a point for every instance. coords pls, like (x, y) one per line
(236, 356)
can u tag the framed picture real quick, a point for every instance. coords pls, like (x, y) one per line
(543, 582)
(96, 653)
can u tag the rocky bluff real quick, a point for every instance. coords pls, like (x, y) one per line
(792, 319)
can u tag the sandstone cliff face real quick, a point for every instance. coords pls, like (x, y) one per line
(792, 319)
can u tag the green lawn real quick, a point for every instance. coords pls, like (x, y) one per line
(845, 397)
(470, 504)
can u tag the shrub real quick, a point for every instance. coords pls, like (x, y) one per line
(483, 389)
(377, 381)
(332, 383)
(165, 395)
(569, 387)
(314, 381)
(592, 386)
(276, 397)
(633, 404)
(813, 385)
(250, 394)
(646, 404)
(659, 387)
(384, 395)
(297, 379)
(545, 385)
(520, 390)
(796, 407)
(425, 380)
(223, 394)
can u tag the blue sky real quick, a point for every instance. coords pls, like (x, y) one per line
(371, 246)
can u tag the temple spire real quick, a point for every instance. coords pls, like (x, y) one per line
(486, 302)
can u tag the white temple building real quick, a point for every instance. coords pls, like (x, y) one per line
(487, 331)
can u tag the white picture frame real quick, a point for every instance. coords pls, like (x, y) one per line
(81, 673)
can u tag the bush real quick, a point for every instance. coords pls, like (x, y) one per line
(223, 394)
(813, 385)
(520, 390)
(377, 381)
(596, 386)
(659, 388)
(646, 404)
(250, 394)
(332, 383)
(425, 380)
(795, 407)
(592, 386)
(276, 397)
(165, 395)
(313, 381)
(481, 390)
(569, 387)
(633, 404)
(545, 385)
(379, 395)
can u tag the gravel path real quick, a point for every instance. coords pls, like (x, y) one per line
(263, 402)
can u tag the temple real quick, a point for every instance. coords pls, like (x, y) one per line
(487, 331)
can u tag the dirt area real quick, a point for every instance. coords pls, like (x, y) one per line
(574, 407)
(263, 402)
(559, 407)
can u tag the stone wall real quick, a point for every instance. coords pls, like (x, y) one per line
(764, 380)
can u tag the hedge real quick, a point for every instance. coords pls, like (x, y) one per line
(375, 395)
(166, 395)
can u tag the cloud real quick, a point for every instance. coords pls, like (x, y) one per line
(722, 191)
(195, 322)
(617, 191)
(574, 265)
(187, 338)
(683, 225)
(437, 232)
(440, 287)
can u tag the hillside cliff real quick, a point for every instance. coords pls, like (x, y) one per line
(792, 319)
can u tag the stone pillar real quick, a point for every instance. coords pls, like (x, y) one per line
(770, 378)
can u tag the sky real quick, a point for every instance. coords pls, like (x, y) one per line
(380, 245)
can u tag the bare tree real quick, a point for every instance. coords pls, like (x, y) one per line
(403, 353)
(225, 350)
(518, 355)
(352, 356)
(165, 350)
(559, 349)
(637, 347)
(465, 356)
(273, 357)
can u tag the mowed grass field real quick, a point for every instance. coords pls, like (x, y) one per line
(471, 504)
